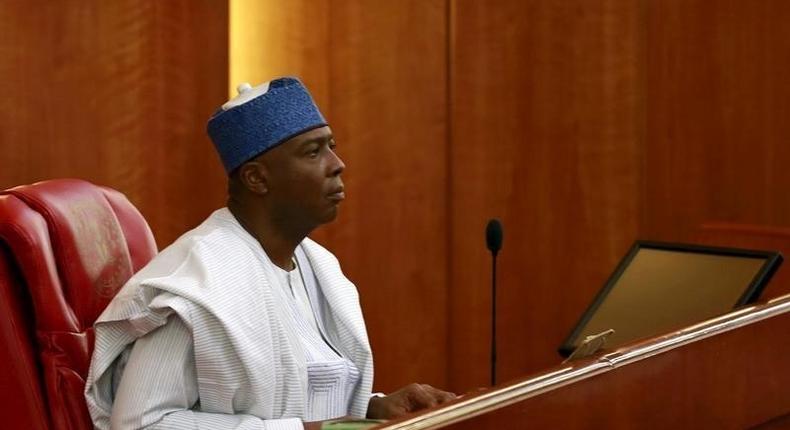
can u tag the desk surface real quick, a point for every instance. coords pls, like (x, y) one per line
(729, 371)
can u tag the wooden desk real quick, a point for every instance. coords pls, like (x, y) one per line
(729, 372)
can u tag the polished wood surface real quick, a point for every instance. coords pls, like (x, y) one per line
(731, 382)
(118, 93)
(727, 372)
(718, 103)
(388, 95)
(587, 125)
(546, 129)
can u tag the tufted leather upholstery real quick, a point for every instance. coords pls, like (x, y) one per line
(66, 247)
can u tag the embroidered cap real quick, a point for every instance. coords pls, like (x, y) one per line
(260, 118)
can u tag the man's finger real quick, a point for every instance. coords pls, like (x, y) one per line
(440, 395)
(421, 397)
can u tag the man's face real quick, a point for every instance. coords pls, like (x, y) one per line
(303, 180)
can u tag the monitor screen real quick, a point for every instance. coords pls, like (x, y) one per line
(660, 287)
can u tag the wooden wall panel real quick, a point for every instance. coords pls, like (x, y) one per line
(717, 130)
(546, 131)
(388, 112)
(733, 380)
(117, 93)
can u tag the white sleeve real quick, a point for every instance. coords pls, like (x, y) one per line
(159, 386)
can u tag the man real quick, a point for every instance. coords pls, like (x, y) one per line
(244, 322)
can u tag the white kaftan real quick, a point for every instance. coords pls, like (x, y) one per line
(258, 363)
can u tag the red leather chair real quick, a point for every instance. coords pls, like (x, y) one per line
(66, 247)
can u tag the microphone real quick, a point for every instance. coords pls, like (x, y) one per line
(494, 244)
(494, 236)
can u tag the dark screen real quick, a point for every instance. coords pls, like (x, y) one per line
(660, 290)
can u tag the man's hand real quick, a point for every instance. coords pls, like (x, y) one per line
(410, 398)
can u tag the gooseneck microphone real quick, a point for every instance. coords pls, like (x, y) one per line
(494, 244)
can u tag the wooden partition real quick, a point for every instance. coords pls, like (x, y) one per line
(727, 372)
(547, 135)
(118, 93)
(388, 113)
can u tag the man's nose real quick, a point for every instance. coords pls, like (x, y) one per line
(337, 164)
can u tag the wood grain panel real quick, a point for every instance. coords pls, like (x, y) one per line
(734, 380)
(117, 93)
(546, 131)
(388, 113)
(719, 99)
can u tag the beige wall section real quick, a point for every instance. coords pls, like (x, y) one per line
(273, 38)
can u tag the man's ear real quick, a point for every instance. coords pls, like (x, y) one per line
(253, 176)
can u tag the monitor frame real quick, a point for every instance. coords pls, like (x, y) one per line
(773, 259)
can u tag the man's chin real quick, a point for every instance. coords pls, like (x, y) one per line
(330, 216)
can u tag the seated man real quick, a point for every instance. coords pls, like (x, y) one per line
(244, 322)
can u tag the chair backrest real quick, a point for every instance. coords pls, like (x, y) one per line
(21, 387)
(761, 237)
(68, 246)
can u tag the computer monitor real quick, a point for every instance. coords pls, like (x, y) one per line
(659, 287)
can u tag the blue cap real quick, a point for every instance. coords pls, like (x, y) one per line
(261, 118)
